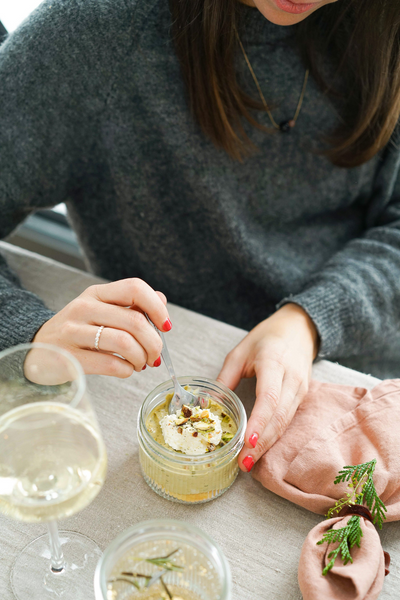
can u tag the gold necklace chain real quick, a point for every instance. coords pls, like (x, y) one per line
(285, 125)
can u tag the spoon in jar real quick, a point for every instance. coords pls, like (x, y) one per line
(181, 396)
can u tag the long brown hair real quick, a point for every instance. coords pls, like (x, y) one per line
(361, 37)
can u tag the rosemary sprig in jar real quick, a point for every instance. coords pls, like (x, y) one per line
(164, 563)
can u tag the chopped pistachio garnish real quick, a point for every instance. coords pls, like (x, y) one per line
(186, 411)
(203, 427)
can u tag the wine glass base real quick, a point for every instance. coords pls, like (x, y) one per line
(32, 577)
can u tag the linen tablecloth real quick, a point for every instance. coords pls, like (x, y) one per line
(260, 533)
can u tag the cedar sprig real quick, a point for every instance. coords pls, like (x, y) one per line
(361, 490)
(347, 536)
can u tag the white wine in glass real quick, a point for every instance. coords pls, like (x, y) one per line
(52, 465)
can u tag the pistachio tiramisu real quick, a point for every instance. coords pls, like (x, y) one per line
(191, 456)
(193, 430)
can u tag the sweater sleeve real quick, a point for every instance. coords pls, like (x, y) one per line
(55, 74)
(355, 300)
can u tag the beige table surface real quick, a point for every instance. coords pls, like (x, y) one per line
(260, 533)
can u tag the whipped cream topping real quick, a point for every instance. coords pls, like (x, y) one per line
(192, 431)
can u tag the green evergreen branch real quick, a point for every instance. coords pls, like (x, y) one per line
(361, 490)
(347, 537)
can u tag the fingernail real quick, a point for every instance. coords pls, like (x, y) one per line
(248, 463)
(253, 439)
(144, 368)
(167, 325)
(157, 363)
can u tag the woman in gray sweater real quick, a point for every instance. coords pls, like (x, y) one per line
(239, 158)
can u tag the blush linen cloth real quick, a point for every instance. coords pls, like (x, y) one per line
(336, 426)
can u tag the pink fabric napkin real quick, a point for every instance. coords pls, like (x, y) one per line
(337, 426)
(361, 580)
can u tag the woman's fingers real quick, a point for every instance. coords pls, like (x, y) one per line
(132, 324)
(133, 293)
(96, 363)
(287, 402)
(270, 376)
(113, 341)
(232, 369)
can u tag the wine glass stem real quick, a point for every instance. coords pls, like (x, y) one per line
(57, 557)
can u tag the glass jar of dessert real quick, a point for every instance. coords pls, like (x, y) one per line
(191, 457)
(163, 559)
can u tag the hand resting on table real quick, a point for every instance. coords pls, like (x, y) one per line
(279, 352)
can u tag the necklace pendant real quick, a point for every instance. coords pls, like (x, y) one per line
(286, 126)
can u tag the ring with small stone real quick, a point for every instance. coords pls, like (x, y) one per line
(97, 338)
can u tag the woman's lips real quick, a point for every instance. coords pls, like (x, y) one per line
(291, 7)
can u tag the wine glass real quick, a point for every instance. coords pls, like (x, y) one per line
(52, 465)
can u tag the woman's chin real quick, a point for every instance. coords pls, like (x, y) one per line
(275, 14)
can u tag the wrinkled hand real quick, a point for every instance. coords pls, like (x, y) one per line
(119, 307)
(279, 352)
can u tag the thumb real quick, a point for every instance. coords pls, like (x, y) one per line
(232, 370)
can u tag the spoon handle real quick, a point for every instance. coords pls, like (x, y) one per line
(166, 358)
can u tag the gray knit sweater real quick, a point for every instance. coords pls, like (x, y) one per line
(93, 113)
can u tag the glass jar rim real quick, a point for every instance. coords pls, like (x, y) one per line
(81, 379)
(165, 529)
(226, 450)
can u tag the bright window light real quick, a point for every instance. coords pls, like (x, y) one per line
(13, 13)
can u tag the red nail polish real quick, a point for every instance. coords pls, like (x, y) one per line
(167, 325)
(157, 363)
(248, 463)
(144, 368)
(253, 439)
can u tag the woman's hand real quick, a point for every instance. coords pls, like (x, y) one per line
(119, 307)
(279, 352)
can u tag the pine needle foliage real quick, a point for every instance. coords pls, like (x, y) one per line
(361, 490)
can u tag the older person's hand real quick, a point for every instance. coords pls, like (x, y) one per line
(279, 352)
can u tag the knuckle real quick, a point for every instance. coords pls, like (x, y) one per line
(118, 368)
(113, 367)
(296, 379)
(82, 305)
(123, 341)
(275, 364)
(93, 291)
(280, 421)
(303, 389)
(137, 319)
(136, 284)
(270, 397)
(233, 356)
(263, 445)
(68, 330)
